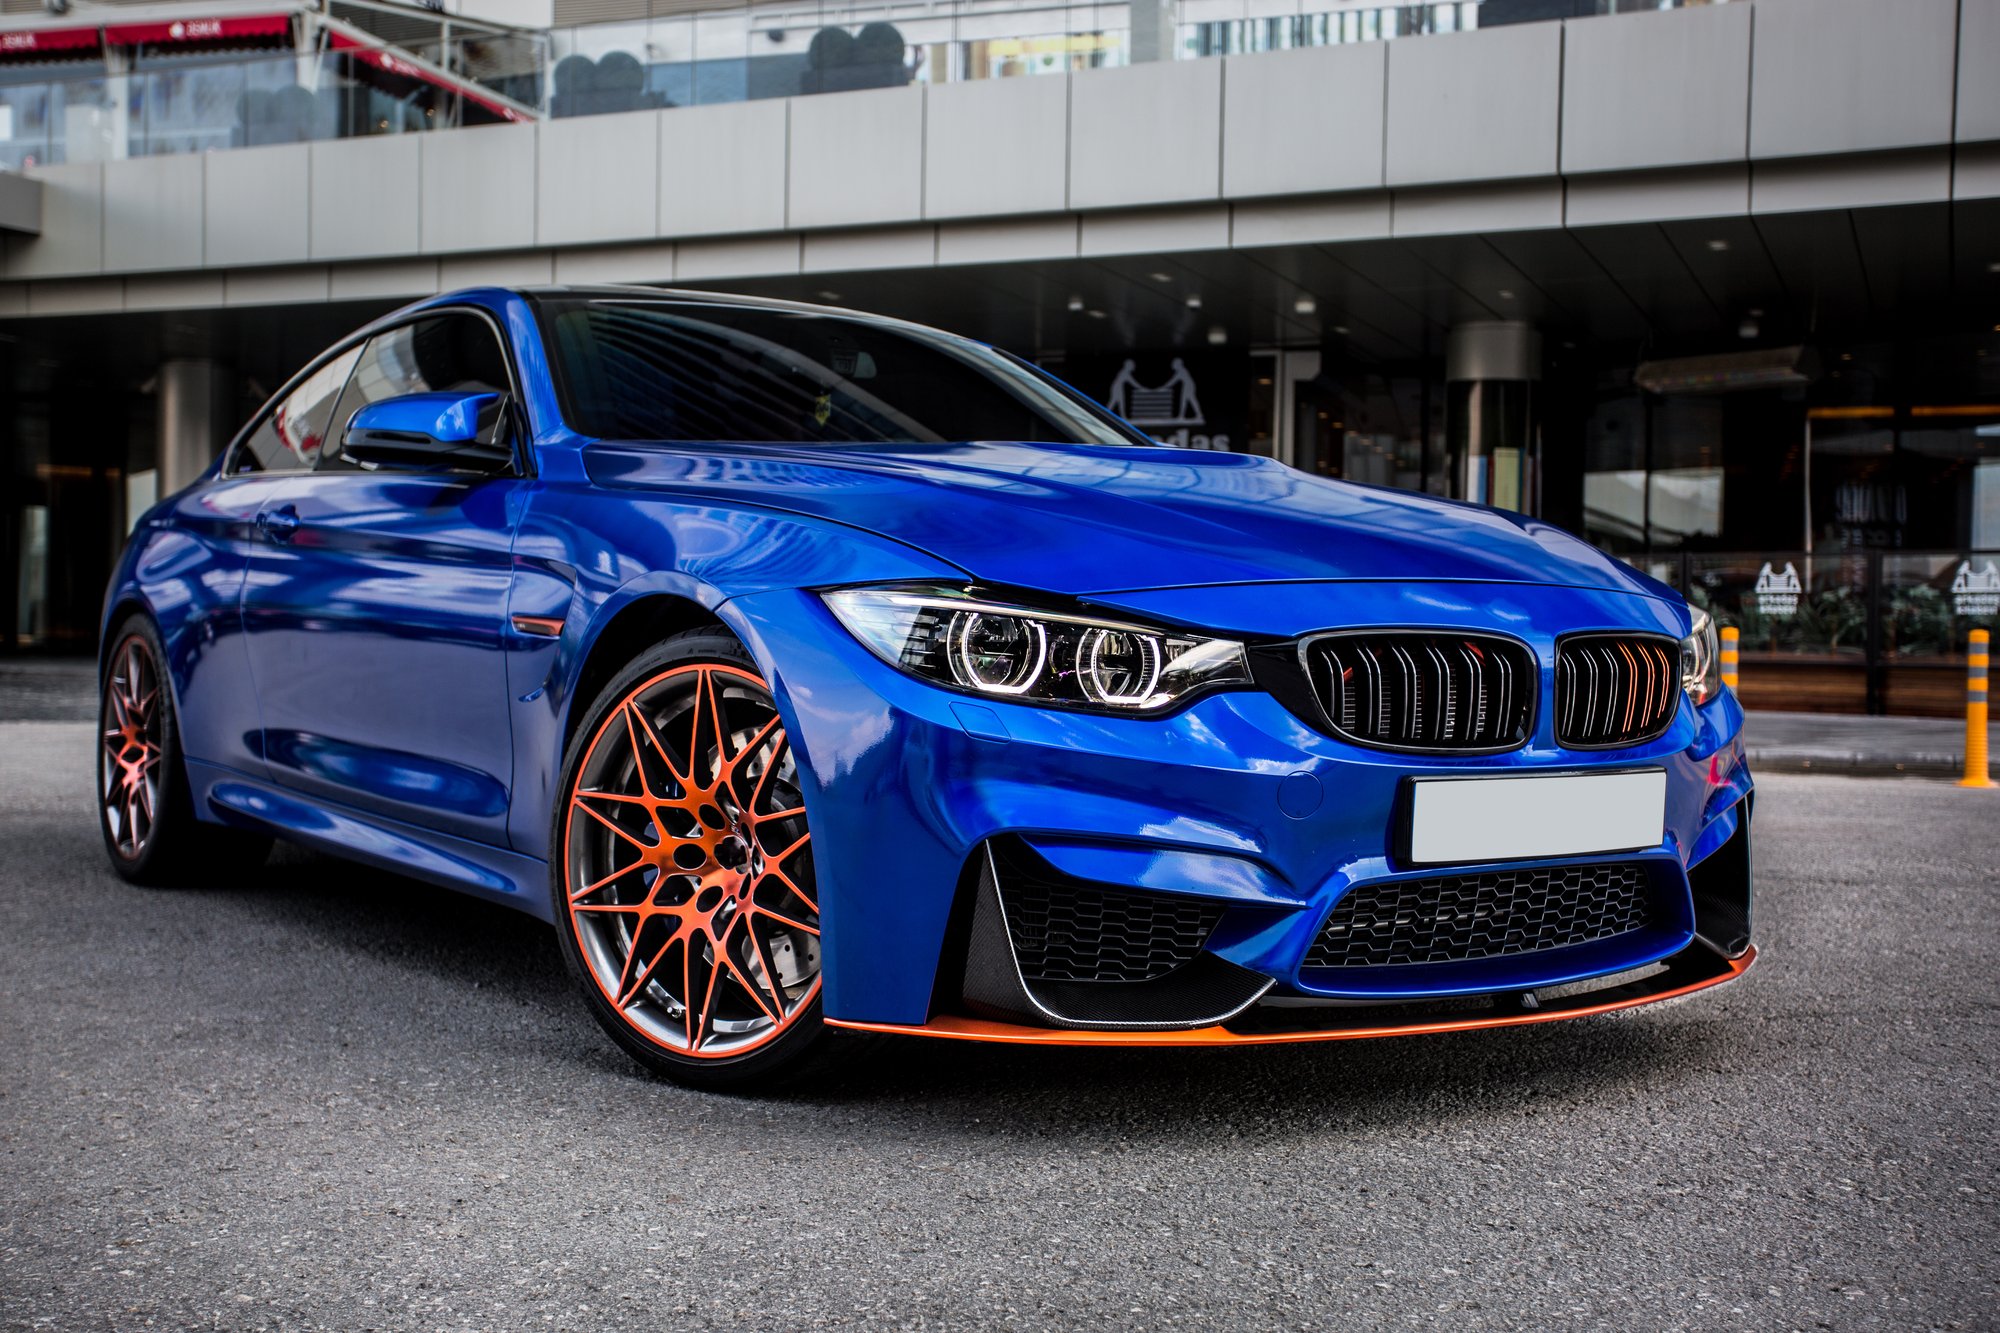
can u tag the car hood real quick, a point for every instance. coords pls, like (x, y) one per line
(1082, 519)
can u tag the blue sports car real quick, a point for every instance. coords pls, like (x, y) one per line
(815, 671)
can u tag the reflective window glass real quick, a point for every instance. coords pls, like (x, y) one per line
(290, 436)
(452, 353)
(674, 370)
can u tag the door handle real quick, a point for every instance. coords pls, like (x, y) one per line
(278, 524)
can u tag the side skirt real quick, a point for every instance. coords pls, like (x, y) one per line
(508, 878)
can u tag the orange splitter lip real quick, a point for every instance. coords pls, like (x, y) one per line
(961, 1028)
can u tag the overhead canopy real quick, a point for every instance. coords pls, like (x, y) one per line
(29, 37)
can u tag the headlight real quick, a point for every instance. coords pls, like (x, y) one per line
(1701, 660)
(1040, 657)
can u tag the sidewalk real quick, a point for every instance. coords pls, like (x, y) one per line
(1847, 743)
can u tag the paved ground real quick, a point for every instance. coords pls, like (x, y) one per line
(1843, 743)
(340, 1100)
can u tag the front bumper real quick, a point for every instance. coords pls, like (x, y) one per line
(1235, 801)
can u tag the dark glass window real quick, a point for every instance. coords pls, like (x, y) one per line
(686, 370)
(453, 353)
(292, 432)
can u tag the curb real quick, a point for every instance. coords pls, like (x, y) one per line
(1855, 765)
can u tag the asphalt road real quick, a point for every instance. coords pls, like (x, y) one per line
(341, 1100)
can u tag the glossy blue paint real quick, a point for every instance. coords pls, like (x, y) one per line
(448, 418)
(347, 673)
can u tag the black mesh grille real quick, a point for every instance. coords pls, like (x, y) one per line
(1424, 691)
(1460, 918)
(1068, 930)
(1615, 689)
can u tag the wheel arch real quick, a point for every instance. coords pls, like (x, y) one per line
(128, 603)
(628, 631)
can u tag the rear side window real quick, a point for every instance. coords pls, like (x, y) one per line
(292, 435)
(452, 353)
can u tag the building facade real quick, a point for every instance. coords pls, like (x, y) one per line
(1717, 285)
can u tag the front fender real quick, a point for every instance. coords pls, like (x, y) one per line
(585, 555)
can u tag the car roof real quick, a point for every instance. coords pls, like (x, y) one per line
(636, 292)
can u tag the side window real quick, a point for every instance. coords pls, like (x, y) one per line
(291, 436)
(451, 353)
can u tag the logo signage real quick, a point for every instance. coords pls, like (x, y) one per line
(1976, 592)
(1169, 410)
(46, 39)
(1777, 595)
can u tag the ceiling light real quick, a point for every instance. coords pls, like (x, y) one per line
(1993, 266)
(1161, 277)
(829, 296)
(1340, 328)
(1194, 302)
(1718, 245)
(1076, 303)
(1217, 335)
(1305, 305)
(1505, 294)
(1095, 314)
(1747, 329)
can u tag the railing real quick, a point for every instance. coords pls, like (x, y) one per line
(1873, 631)
(150, 100)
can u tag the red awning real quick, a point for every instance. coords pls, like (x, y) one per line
(198, 30)
(33, 41)
(389, 62)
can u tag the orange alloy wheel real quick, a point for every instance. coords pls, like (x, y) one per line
(688, 865)
(133, 738)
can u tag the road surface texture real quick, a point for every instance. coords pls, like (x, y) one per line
(336, 1099)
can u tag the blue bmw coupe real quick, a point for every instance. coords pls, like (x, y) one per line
(814, 671)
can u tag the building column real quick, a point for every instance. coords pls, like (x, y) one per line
(1154, 31)
(197, 415)
(1492, 434)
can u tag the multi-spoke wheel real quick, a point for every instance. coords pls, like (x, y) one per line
(684, 874)
(134, 740)
(143, 805)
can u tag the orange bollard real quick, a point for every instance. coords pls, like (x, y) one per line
(1976, 768)
(1730, 635)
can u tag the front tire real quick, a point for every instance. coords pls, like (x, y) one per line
(682, 872)
(145, 809)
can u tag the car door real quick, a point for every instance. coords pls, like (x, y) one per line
(375, 603)
(199, 569)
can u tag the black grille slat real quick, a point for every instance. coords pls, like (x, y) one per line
(1614, 689)
(1071, 930)
(1464, 918)
(1415, 690)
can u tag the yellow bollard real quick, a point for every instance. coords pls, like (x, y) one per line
(1976, 656)
(1730, 635)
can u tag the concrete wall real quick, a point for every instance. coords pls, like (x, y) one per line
(1775, 105)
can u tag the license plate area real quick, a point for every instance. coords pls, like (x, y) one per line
(1515, 817)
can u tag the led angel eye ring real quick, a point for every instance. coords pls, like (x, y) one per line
(968, 623)
(1090, 655)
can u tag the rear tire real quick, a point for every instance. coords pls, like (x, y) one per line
(145, 808)
(681, 870)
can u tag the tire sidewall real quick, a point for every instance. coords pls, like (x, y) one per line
(769, 1062)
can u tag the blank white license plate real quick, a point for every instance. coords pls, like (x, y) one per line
(1513, 819)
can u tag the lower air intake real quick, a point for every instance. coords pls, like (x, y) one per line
(1046, 948)
(1464, 918)
(1068, 930)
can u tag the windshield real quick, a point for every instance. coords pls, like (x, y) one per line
(635, 369)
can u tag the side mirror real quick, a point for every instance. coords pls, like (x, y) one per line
(431, 432)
